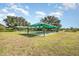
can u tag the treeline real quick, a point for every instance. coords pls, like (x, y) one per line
(71, 29)
(13, 21)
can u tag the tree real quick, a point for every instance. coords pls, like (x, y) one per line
(52, 20)
(12, 21)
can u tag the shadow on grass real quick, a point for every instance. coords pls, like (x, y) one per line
(29, 35)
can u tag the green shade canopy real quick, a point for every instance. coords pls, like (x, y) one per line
(43, 25)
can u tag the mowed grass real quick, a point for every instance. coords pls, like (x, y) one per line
(58, 44)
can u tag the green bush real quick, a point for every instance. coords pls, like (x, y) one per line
(9, 30)
(2, 28)
(74, 30)
(70, 30)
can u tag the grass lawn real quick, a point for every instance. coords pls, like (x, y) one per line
(62, 43)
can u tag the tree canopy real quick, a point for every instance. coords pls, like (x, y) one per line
(13, 21)
(52, 20)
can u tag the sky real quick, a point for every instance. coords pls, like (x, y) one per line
(68, 13)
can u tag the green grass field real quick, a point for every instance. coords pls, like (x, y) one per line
(61, 43)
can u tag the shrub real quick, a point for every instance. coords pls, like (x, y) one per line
(2, 28)
(70, 30)
(9, 30)
(74, 30)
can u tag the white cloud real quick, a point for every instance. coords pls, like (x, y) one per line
(40, 14)
(2, 11)
(5, 10)
(20, 10)
(68, 6)
(11, 14)
(63, 7)
(56, 14)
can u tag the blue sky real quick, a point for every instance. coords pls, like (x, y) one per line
(68, 13)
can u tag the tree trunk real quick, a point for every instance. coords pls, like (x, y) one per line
(44, 31)
(28, 30)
